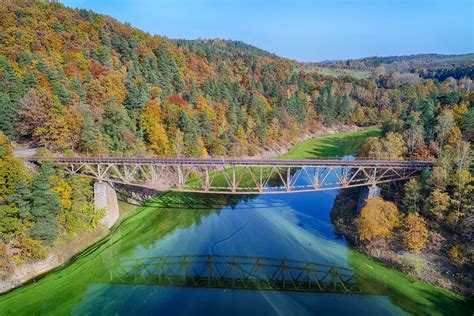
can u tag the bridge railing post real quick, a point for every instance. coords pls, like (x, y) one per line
(234, 179)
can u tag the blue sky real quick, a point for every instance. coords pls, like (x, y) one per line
(307, 30)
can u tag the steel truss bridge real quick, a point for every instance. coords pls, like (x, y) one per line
(239, 176)
(236, 272)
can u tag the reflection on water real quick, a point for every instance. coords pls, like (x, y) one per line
(236, 272)
(267, 227)
(294, 227)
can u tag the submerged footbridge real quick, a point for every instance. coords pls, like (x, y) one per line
(238, 176)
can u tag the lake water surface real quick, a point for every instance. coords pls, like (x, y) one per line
(285, 226)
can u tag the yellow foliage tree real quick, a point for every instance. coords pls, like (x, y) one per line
(377, 219)
(12, 170)
(456, 255)
(158, 141)
(390, 147)
(415, 232)
(439, 178)
(371, 149)
(63, 190)
(202, 148)
(5, 148)
(357, 116)
(454, 136)
(150, 114)
(155, 133)
(459, 110)
(438, 204)
(241, 135)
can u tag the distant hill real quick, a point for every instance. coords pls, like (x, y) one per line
(417, 59)
(225, 49)
(426, 65)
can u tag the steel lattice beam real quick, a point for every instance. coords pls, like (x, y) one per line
(225, 176)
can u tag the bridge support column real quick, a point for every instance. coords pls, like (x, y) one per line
(367, 193)
(105, 198)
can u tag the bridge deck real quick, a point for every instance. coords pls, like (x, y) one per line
(236, 162)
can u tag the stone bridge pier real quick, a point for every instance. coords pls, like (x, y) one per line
(106, 198)
(367, 193)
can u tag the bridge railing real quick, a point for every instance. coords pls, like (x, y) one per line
(227, 161)
(339, 158)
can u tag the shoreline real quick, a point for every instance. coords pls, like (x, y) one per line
(429, 266)
(323, 131)
(33, 270)
(60, 255)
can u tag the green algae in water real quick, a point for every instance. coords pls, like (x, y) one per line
(60, 291)
(181, 223)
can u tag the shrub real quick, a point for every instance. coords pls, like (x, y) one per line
(413, 262)
(29, 248)
(456, 255)
(438, 204)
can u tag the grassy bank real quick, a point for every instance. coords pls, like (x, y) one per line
(338, 145)
(413, 296)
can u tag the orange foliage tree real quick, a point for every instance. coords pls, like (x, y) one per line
(377, 219)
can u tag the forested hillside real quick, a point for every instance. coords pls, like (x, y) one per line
(76, 80)
(73, 80)
(404, 63)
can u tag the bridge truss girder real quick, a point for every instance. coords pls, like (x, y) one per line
(245, 178)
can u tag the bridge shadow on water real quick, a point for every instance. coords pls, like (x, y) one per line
(179, 200)
(236, 272)
(252, 273)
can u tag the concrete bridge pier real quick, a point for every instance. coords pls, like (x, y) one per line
(106, 198)
(367, 193)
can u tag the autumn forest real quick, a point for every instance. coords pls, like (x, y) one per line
(74, 82)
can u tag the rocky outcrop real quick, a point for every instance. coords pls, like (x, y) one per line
(29, 271)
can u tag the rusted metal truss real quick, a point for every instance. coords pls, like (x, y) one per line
(236, 272)
(241, 176)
